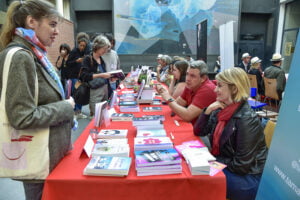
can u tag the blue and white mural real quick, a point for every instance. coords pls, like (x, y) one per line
(169, 26)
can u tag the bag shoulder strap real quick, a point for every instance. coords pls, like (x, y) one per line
(6, 67)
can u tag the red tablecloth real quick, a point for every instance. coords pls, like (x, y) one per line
(67, 181)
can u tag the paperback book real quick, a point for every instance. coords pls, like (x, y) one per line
(117, 74)
(130, 108)
(112, 133)
(152, 109)
(161, 117)
(151, 133)
(109, 142)
(122, 117)
(189, 144)
(127, 103)
(152, 143)
(100, 113)
(156, 157)
(146, 120)
(121, 150)
(108, 166)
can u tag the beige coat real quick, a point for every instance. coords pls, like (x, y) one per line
(52, 111)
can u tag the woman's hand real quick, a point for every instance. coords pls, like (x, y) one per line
(214, 106)
(71, 102)
(79, 60)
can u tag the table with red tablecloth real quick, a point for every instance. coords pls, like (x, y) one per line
(67, 182)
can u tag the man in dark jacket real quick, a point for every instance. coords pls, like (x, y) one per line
(245, 64)
(275, 71)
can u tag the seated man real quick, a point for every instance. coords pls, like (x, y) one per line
(198, 93)
(276, 72)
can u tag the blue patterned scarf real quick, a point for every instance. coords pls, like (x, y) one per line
(41, 53)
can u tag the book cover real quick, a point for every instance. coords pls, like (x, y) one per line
(127, 103)
(156, 157)
(114, 141)
(122, 117)
(117, 74)
(197, 153)
(189, 144)
(151, 133)
(112, 133)
(161, 117)
(108, 165)
(152, 109)
(156, 168)
(151, 141)
(111, 150)
(130, 108)
(100, 113)
(216, 167)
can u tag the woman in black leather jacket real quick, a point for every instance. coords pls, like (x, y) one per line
(235, 133)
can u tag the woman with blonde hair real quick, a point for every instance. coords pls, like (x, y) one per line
(32, 25)
(235, 133)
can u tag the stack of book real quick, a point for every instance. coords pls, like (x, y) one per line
(152, 143)
(108, 166)
(198, 160)
(135, 108)
(157, 162)
(151, 133)
(112, 133)
(121, 117)
(111, 147)
(127, 97)
(147, 122)
(152, 109)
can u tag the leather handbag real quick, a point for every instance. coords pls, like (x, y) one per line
(24, 153)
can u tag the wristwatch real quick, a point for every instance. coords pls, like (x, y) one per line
(170, 100)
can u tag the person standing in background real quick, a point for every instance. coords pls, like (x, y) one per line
(94, 70)
(74, 63)
(32, 25)
(245, 64)
(111, 59)
(61, 63)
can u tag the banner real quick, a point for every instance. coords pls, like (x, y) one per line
(281, 176)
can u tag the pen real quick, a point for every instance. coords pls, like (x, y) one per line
(172, 136)
(176, 122)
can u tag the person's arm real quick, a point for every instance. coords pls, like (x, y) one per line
(178, 106)
(179, 89)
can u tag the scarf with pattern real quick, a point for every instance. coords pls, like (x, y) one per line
(41, 53)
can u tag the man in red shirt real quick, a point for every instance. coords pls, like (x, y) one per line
(198, 93)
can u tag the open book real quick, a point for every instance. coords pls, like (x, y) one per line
(117, 74)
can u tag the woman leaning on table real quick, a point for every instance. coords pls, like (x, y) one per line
(94, 72)
(32, 25)
(235, 133)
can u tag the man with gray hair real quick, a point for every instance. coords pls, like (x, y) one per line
(197, 95)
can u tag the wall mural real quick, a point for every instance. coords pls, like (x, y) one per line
(169, 26)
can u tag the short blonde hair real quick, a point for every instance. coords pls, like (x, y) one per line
(238, 83)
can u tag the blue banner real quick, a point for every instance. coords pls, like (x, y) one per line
(281, 176)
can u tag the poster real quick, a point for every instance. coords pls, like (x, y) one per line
(169, 26)
(281, 176)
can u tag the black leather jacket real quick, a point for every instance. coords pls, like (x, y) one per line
(242, 144)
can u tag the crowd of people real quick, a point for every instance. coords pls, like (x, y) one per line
(217, 109)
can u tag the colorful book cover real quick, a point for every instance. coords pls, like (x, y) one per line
(152, 141)
(161, 117)
(108, 165)
(112, 133)
(189, 144)
(157, 157)
(216, 167)
(151, 133)
(122, 117)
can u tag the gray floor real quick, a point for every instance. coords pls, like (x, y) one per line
(13, 190)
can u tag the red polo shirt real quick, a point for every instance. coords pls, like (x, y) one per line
(202, 97)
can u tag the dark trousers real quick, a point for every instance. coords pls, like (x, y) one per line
(33, 191)
(241, 187)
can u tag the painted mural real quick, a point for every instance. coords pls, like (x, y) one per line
(169, 26)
